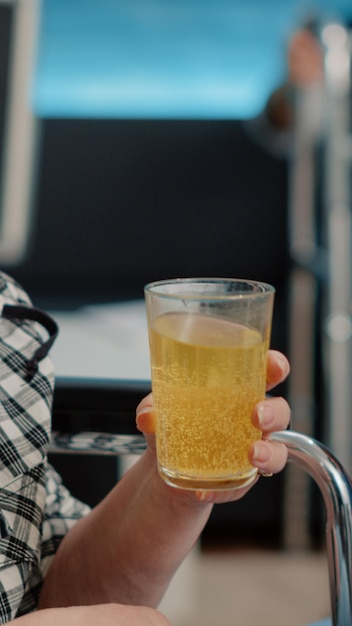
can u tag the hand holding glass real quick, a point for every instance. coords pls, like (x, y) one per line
(208, 344)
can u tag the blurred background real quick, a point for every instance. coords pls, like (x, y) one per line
(142, 140)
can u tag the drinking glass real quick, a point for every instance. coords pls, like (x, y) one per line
(208, 341)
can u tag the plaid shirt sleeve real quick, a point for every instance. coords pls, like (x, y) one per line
(61, 512)
(36, 510)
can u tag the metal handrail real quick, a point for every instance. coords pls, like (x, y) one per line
(336, 488)
(337, 325)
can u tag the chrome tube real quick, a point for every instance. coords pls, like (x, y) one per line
(336, 488)
(337, 325)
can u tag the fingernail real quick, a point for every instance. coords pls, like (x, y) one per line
(145, 420)
(261, 454)
(266, 415)
(282, 363)
(143, 411)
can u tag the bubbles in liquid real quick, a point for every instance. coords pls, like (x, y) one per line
(207, 375)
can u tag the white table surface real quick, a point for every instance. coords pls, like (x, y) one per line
(103, 341)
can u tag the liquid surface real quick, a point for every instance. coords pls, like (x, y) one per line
(207, 375)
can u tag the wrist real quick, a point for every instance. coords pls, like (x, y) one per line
(178, 500)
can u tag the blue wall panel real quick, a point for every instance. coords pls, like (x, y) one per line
(164, 58)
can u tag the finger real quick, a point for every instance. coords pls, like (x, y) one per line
(277, 370)
(271, 414)
(145, 420)
(268, 456)
(145, 416)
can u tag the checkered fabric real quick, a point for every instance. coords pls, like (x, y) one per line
(36, 510)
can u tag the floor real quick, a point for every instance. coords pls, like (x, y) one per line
(249, 587)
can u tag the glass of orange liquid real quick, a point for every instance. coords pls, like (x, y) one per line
(208, 340)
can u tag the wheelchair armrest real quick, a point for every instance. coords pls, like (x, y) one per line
(96, 416)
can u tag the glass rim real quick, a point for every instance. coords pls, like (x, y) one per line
(155, 288)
